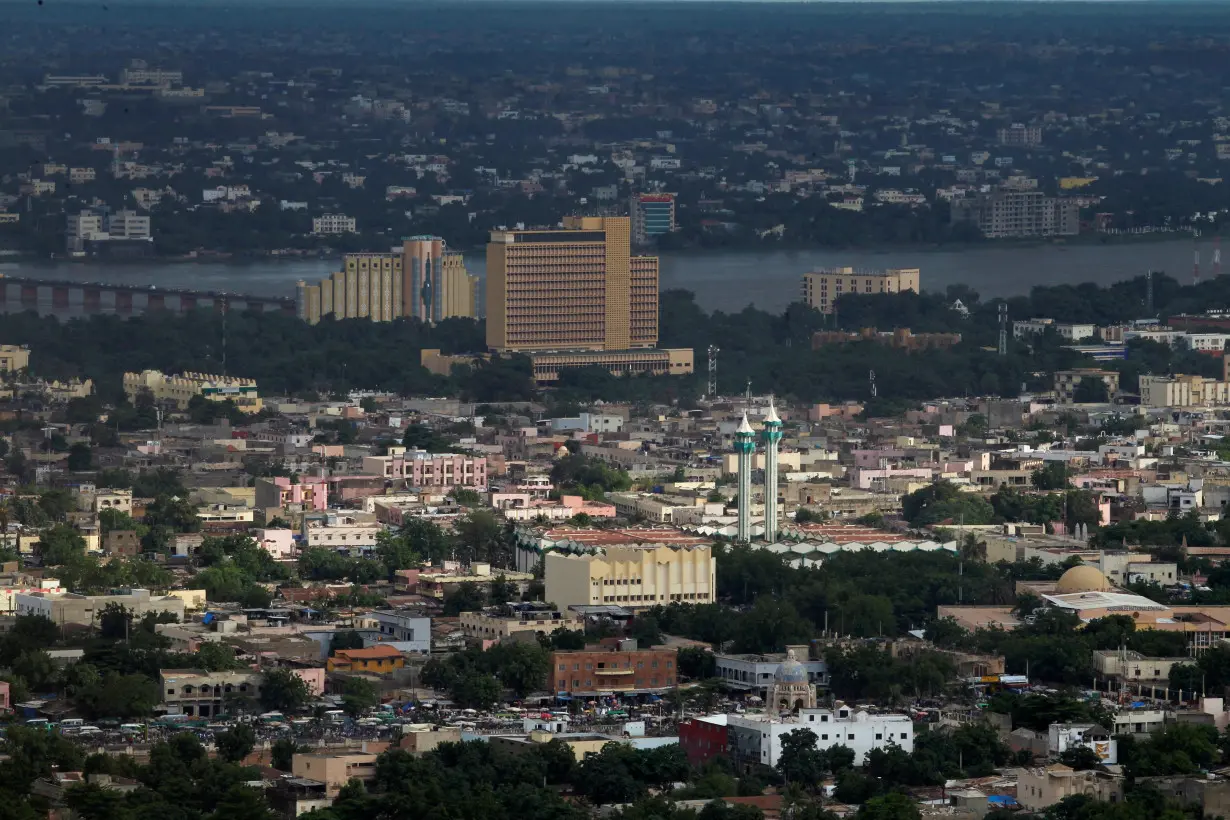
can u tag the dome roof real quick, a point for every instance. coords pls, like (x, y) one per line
(790, 670)
(1082, 579)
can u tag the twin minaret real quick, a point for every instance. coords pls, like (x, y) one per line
(745, 447)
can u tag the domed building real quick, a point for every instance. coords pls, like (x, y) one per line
(791, 689)
(1082, 579)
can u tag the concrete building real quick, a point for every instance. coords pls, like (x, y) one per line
(405, 631)
(335, 769)
(341, 531)
(757, 738)
(1007, 213)
(657, 362)
(1039, 788)
(309, 493)
(438, 471)
(497, 623)
(1183, 391)
(124, 224)
(420, 280)
(1066, 381)
(14, 358)
(755, 673)
(1070, 332)
(633, 576)
(180, 389)
(595, 671)
(375, 660)
(332, 224)
(197, 693)
(653, 215)
(573, 289)
(822, 288)
(84, 610)
(1019, 135)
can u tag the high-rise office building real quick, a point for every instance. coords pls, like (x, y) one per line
(576, 296)
(576, 288)
(652, 216)
(422, 280)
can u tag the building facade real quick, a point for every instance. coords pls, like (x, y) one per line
(632, 576)
(822, 288)
(592, 672)
(1007, 214)
(327, 224)
(438, 471)
(180, 389)
(661, 362)
(14, 358)
(1066, 381)
(569, 289)
(653, 215)
(407, 631)
(197, 693)
(757, 738)
(755, 673)
(502, 622)
(421, 280)
(84, 610)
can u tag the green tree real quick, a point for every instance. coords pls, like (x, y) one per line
(801, 760)
(236, 743)
(60, 545)
(894, 806)
(284, 691)
(359, 696)
(80, 457)
(282, 753)
(345, 639)
(214, 656)
(1091, 390)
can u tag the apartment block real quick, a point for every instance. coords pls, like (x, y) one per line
(653, 215)
(331, 224)
(823, 287)
(594, 671)
(1012, 214)
(501, 622)
(676, 361)
(180, 389)
(1019, 135)
(84, 610)
(440, 471)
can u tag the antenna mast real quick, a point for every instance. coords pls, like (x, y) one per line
(1216, 256)
(872, 378)
(713, 354)
(1149, 293)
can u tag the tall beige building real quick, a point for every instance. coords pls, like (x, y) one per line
(821, 288)
(422, 280)
(576, 288)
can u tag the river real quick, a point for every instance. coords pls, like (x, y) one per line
(726, 281)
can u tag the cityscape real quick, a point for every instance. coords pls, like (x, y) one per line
(614, 411)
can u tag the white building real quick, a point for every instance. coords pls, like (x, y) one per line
(327, 224)
(754, 673)
(127, 224)
(1064, 736)
(1069, 332)
(407, 631)
(757, 738)
(590, 423)
(342, 532)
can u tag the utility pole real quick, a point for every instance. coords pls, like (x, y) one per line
(1149, 293)
(872, 377)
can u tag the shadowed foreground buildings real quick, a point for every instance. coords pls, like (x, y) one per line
(577, 297)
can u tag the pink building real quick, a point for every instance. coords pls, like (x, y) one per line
(865, 479)
(5, 704)
(314, 678)
(310, 491)
(278, 543)
(420, 469)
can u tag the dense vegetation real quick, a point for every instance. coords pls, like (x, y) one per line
(287, 356)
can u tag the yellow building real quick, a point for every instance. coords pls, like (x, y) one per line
(582, 744)
(822, 288)
(14, 358)
(497, 624)
(180, 389)
(441, 364)
(422, 280)
(377, 660)
(1072, 183)
(578, 288)
(335, 770)
(633, 576)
